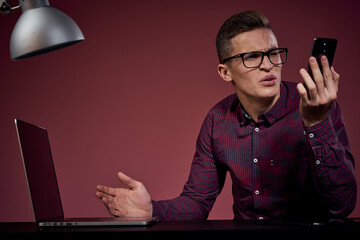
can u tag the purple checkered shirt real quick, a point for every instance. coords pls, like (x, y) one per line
(279, 168)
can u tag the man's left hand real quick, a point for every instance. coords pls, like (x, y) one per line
(317, 94)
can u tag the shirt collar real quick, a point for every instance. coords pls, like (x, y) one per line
(279, 108)
(277, 111)
(240, 112)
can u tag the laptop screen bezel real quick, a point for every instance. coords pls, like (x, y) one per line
(34, 138)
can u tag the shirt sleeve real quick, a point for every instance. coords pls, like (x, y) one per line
(205, 183)
(333, 164)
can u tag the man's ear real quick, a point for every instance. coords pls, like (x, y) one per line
(224, 72)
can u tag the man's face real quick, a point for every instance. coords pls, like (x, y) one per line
(262, 83)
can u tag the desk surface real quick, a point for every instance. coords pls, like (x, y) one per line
(206, 230)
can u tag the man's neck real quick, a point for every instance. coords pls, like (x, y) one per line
(254, 107)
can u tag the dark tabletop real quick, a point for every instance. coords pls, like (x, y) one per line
(211, 229)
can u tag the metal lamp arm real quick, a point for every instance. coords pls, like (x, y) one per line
(5, 8)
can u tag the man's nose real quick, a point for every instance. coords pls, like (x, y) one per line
(266, 64)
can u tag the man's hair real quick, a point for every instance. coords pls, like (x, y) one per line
(242, 22)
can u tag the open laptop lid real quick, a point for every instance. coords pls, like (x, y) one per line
(40, 171)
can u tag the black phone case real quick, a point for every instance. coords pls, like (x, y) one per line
(323, 46)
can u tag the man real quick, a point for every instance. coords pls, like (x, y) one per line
(284, 145)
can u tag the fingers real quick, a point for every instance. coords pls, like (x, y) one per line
(107, 190)
(302, 91)
(309, 85)
(106, 195)
(131, 183)
(336, 78)
(322, 83)
(317, 75)
(109, 195)
(106, 199)
(114, 212)
(104, 190)
(327, 74)
(318, 92)
(103, 196)
(109, 202)
(133, 200)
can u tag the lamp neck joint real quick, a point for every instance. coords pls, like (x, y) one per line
(31, 4)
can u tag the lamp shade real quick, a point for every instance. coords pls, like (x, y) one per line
(40, 29)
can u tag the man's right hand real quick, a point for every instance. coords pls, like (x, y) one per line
(133, 201)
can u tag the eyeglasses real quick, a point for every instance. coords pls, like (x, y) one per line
(254, 59)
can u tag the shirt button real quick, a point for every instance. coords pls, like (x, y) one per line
(317, 162)
(255, 160)
(257, 192)
(311, 135)
(257, 129)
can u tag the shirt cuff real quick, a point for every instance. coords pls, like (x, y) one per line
(156, 209)
(320, 133)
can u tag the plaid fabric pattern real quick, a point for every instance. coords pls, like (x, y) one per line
(278, 167)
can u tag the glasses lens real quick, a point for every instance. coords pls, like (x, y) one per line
(252, 59)
(278, 56)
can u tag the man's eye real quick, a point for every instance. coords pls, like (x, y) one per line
(252, 56)
(277, 52)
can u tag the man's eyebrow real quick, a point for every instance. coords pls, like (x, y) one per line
(274, 47)
(264, 50)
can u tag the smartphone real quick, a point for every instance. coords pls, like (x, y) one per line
(323, 46)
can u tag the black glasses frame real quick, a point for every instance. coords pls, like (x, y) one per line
(241, 55)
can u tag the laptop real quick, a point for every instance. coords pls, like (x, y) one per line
(43, 186)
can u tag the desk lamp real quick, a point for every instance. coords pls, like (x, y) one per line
(40, 29)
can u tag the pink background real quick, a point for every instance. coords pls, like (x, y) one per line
(133, 95)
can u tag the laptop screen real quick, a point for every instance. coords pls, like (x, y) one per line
(40, 171)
